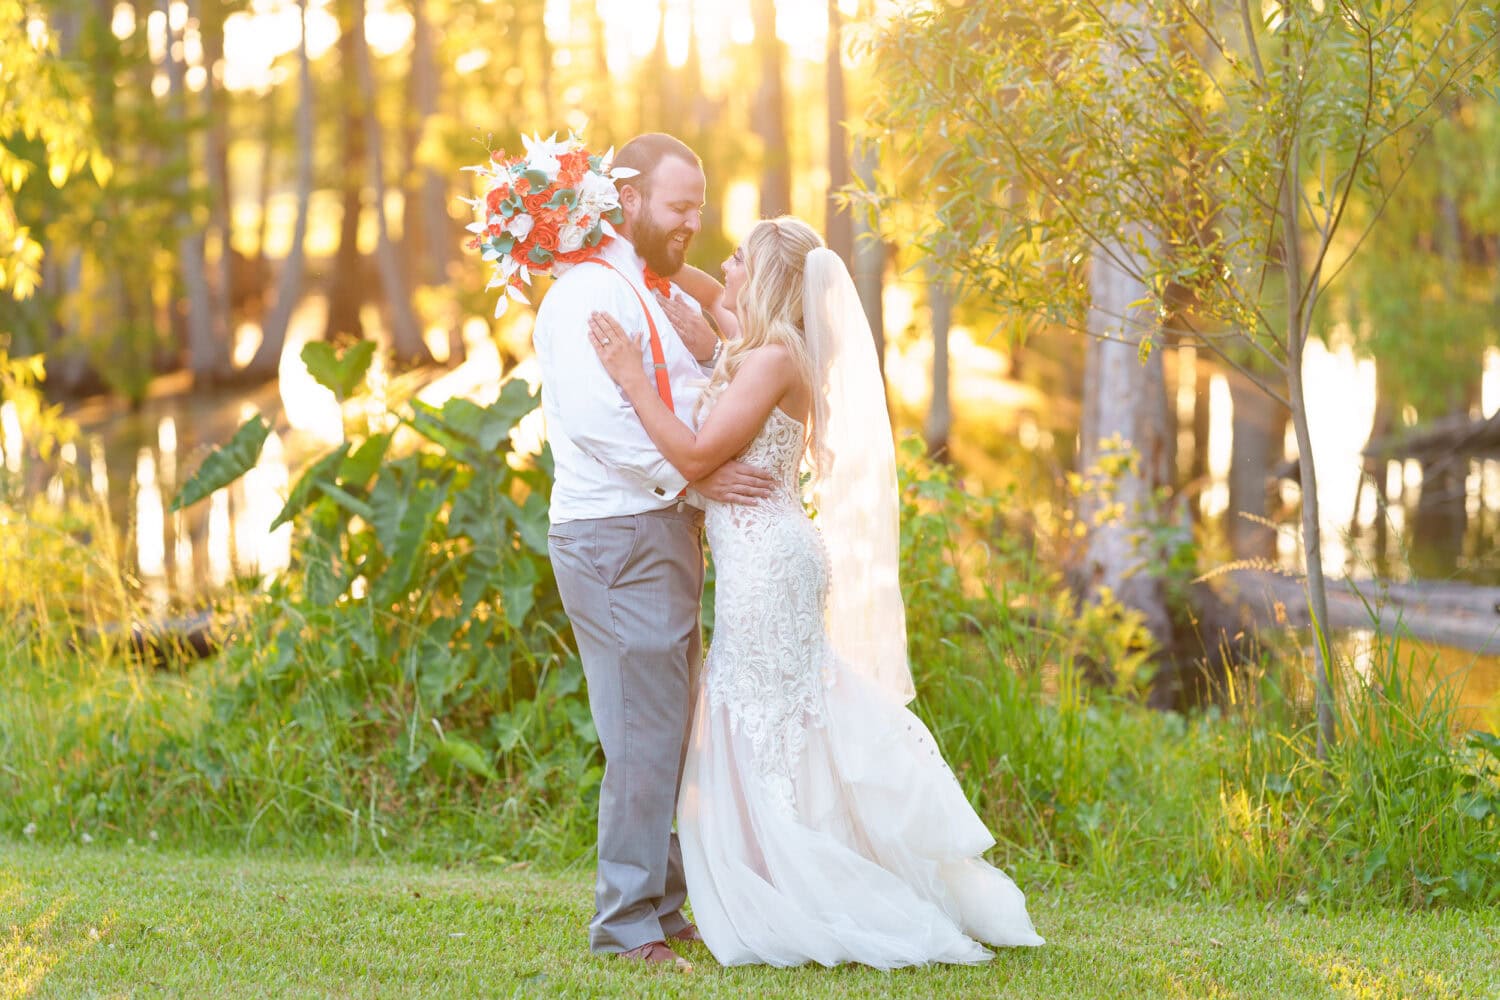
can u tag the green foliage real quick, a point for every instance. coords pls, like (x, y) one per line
(224, 465)
(1073, 777)
(1159, 135)
(1402, 811)
(342, 373)
(409, 688)
(1422, 300)
(40, 108)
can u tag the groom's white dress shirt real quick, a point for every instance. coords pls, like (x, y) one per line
(605, 463)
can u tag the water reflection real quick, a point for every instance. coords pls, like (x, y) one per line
(137, 460)
(220, 560)
(150, 528)
(1341, 411)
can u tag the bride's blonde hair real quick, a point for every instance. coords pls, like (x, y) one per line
(770, 302)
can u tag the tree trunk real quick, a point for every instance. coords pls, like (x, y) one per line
(868, 267)
(655, 95)
(406, 334)
(1126, 416)
(839, 225)
(1203, 376)
(1441, 522)
(940, 413)
(68, 368)
(260, 277)
(770, 113)
(1298, 320)
(1442, 518)
(221, 221)
(1259, 430)
(431, 231)
(207, 347)
(346, 290)
(437, 240)
(267, 358)
(602, 82)
(705, 114)
(1127, 398)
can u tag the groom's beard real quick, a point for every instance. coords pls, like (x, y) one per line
(657, 247)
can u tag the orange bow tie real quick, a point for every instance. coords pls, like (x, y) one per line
(656, 283)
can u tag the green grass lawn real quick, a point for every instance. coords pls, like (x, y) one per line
(92, 921)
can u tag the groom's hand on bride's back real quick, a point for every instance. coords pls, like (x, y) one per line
(735, 482)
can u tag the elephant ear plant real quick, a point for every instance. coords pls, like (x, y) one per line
(418, 628)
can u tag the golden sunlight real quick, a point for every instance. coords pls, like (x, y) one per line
(257, 37)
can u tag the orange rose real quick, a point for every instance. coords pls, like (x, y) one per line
(544, 233)
(535, 202)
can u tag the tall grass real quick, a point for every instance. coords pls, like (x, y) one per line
(330, 726)
(1079, 781)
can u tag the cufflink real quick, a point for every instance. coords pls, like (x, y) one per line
(659, 491)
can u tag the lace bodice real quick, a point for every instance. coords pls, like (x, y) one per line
(766, 662)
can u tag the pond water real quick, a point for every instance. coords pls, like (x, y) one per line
(139, 460)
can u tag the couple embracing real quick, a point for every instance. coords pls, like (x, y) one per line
(816, 820)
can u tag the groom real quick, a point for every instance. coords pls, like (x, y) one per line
(626, 540)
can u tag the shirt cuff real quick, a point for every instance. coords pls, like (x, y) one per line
(669, 485)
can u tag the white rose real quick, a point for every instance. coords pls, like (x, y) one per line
(519, 227)
(570, 237)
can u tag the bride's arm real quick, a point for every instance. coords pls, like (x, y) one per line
(766, 375)
(710, 295)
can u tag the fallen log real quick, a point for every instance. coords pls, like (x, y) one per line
(1456, 435)
(1450, 614)
(164, 641)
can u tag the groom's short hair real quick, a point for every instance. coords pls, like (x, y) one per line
(645, 152)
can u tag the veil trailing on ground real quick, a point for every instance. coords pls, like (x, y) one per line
(854, 479)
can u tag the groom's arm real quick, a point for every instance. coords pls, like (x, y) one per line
(595, 415)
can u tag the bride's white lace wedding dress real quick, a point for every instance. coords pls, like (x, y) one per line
(818, 821)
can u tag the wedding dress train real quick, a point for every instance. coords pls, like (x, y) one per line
(818, 821)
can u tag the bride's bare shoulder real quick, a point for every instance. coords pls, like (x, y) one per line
(770, 357)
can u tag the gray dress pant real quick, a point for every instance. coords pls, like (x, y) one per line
(632, 588)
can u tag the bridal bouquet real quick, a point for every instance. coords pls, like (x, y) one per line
(543, 211)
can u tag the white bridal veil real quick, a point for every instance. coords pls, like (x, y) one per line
(854, 483)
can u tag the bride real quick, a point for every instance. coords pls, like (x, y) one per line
(817, 820)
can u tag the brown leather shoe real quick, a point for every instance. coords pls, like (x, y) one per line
(657, 953)
(688, 933)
